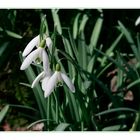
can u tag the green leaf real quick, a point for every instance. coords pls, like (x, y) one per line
(38, 93)
(122, 109)
(3, 112)
(91, 64)
(114, 128)
(12, 34)
(136, 122)
(36, 122)
(44, 26)
(23, 106)
(56, 20)
(61, 127)
(75, 26)
(68, 49)
(4, 52)
(3, 48)
(83, 23)
(83, 49)
(111, 48)
(130, 40)
(95, 34)
(133, 83)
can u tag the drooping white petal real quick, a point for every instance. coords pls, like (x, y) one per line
(49, 42)
(68, 82)
(31, 57)
(49, 87)
(45, 61)
(137, 21)
(37, 79)
(45, 82)
(34, 42)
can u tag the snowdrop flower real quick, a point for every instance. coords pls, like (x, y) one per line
(37, 55)
(35, 42)
(57, 78)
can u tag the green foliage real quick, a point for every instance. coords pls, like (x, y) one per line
(106, 79)
(3, 112)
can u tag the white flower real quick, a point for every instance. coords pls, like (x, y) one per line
(35, 42)
(57, 77)
(37, 55)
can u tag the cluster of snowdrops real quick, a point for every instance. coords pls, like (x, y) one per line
(49, 79)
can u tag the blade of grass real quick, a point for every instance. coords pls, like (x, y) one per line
(75, 26)
(129, 39)
(111, 48)
(61, 127)
(56, 20)
(95, 34)
(12, 34)
(83, 23)
(3, 112)
(121, 109)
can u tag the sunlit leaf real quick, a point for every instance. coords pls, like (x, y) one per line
(61, 127)
(95, 34)
(75, 26)
(57, 22)
(12, 34)
(3, 112)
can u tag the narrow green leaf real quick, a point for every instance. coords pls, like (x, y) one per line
(83, 23)
(122, 109)
(3, 48)
(91, 64)
(130, 40)
(12, 34)
(133, 83)
(44, 26)
(36, 122)
(73, 45)
(111, 48)
(135, 124)
(120, 73)
(56, 20)
(68, 49)
(25, 84)
(95, 34)
(3, 112)
(61, 127)
(114, 128)
(83, 49)
(23, 106)
(75, 26)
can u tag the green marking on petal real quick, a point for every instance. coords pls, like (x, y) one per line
(43, 43)
(58, 67)
(59, 84)
(38, 60)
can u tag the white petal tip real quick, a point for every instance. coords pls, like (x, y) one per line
(22, 68)
(49, 42)
(137, 21)
(73, 90)
(32, 86)
(24, 55)
(46, 95)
